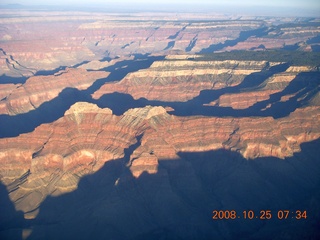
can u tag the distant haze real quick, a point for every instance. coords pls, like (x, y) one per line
(277, 7)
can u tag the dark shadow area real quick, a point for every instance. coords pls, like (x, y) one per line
(49, 72)
(141, 56)
(315, 48)
(174, 36)
(128, 151)
(192, 44)
(170, 45)
(260, 47)
(107, 58)
(120, 69)
(18, 182)
(293, 47)
(120, 103)
(47, 112)
(314, 40)
(14, 65)
(4, 79)
(305, 86)
(79, 64)
(250, 82)
(177, 202)
(124, 46)
(243, 36)
(294, 58)
(11, 221)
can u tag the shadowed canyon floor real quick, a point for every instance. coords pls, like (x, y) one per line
(139, 126)
(177, 201)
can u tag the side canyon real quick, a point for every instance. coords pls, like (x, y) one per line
(138, 126)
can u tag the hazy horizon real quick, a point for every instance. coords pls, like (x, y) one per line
(286, 7)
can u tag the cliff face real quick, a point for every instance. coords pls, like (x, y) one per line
(55, 156)
(272, 86)
(46, 40)
(235, 84)
(288, 36)
(52, 159)
(181, 80)
(39, 89)
(116, 123)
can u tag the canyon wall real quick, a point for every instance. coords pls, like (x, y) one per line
(127, 126)
(49, 40)
(58, 154)
(39, 89)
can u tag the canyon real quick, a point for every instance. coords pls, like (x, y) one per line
(35, 41)
(139, 126)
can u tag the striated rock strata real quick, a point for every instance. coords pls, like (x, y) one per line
(51, 159)
(40, 89)
(43, 40)
(182, 80)
(274, 84)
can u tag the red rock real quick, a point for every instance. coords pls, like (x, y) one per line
(55, 156)
(58, 154)
(47, 41)
(40, 89)
(181, 80)
(243, 100)
(6, 89)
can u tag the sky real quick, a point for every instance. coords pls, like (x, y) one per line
(301, 5)
(296, 3)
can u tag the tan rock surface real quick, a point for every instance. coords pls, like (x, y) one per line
(45, 40)
(40, 89)
(60, 153)
(181, 80)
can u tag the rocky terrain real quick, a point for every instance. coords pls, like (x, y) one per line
(37, 40)
(138, 126)
(58, 154)
(182, 80)
(40, 89)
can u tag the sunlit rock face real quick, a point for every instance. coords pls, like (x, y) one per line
(128, 124)
(40, 89)
(55, 156)
(182, 80)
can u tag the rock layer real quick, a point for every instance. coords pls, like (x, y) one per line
(40, 89)
(47, 40)
(55, 156)
(277, 83)
(181, 80)
(143, 169)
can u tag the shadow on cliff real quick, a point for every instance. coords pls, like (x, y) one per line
(244, 35)
(177, 202)
(119, 102)
(304, 87)
(11, 221)
(52, 110)
(50, 72)
(4, 79)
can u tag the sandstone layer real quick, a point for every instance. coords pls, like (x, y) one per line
(52, 159)
(295, 36)
(96, 133)
(181, 80)
(49, 40)
(277, 83)
(39, 89)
